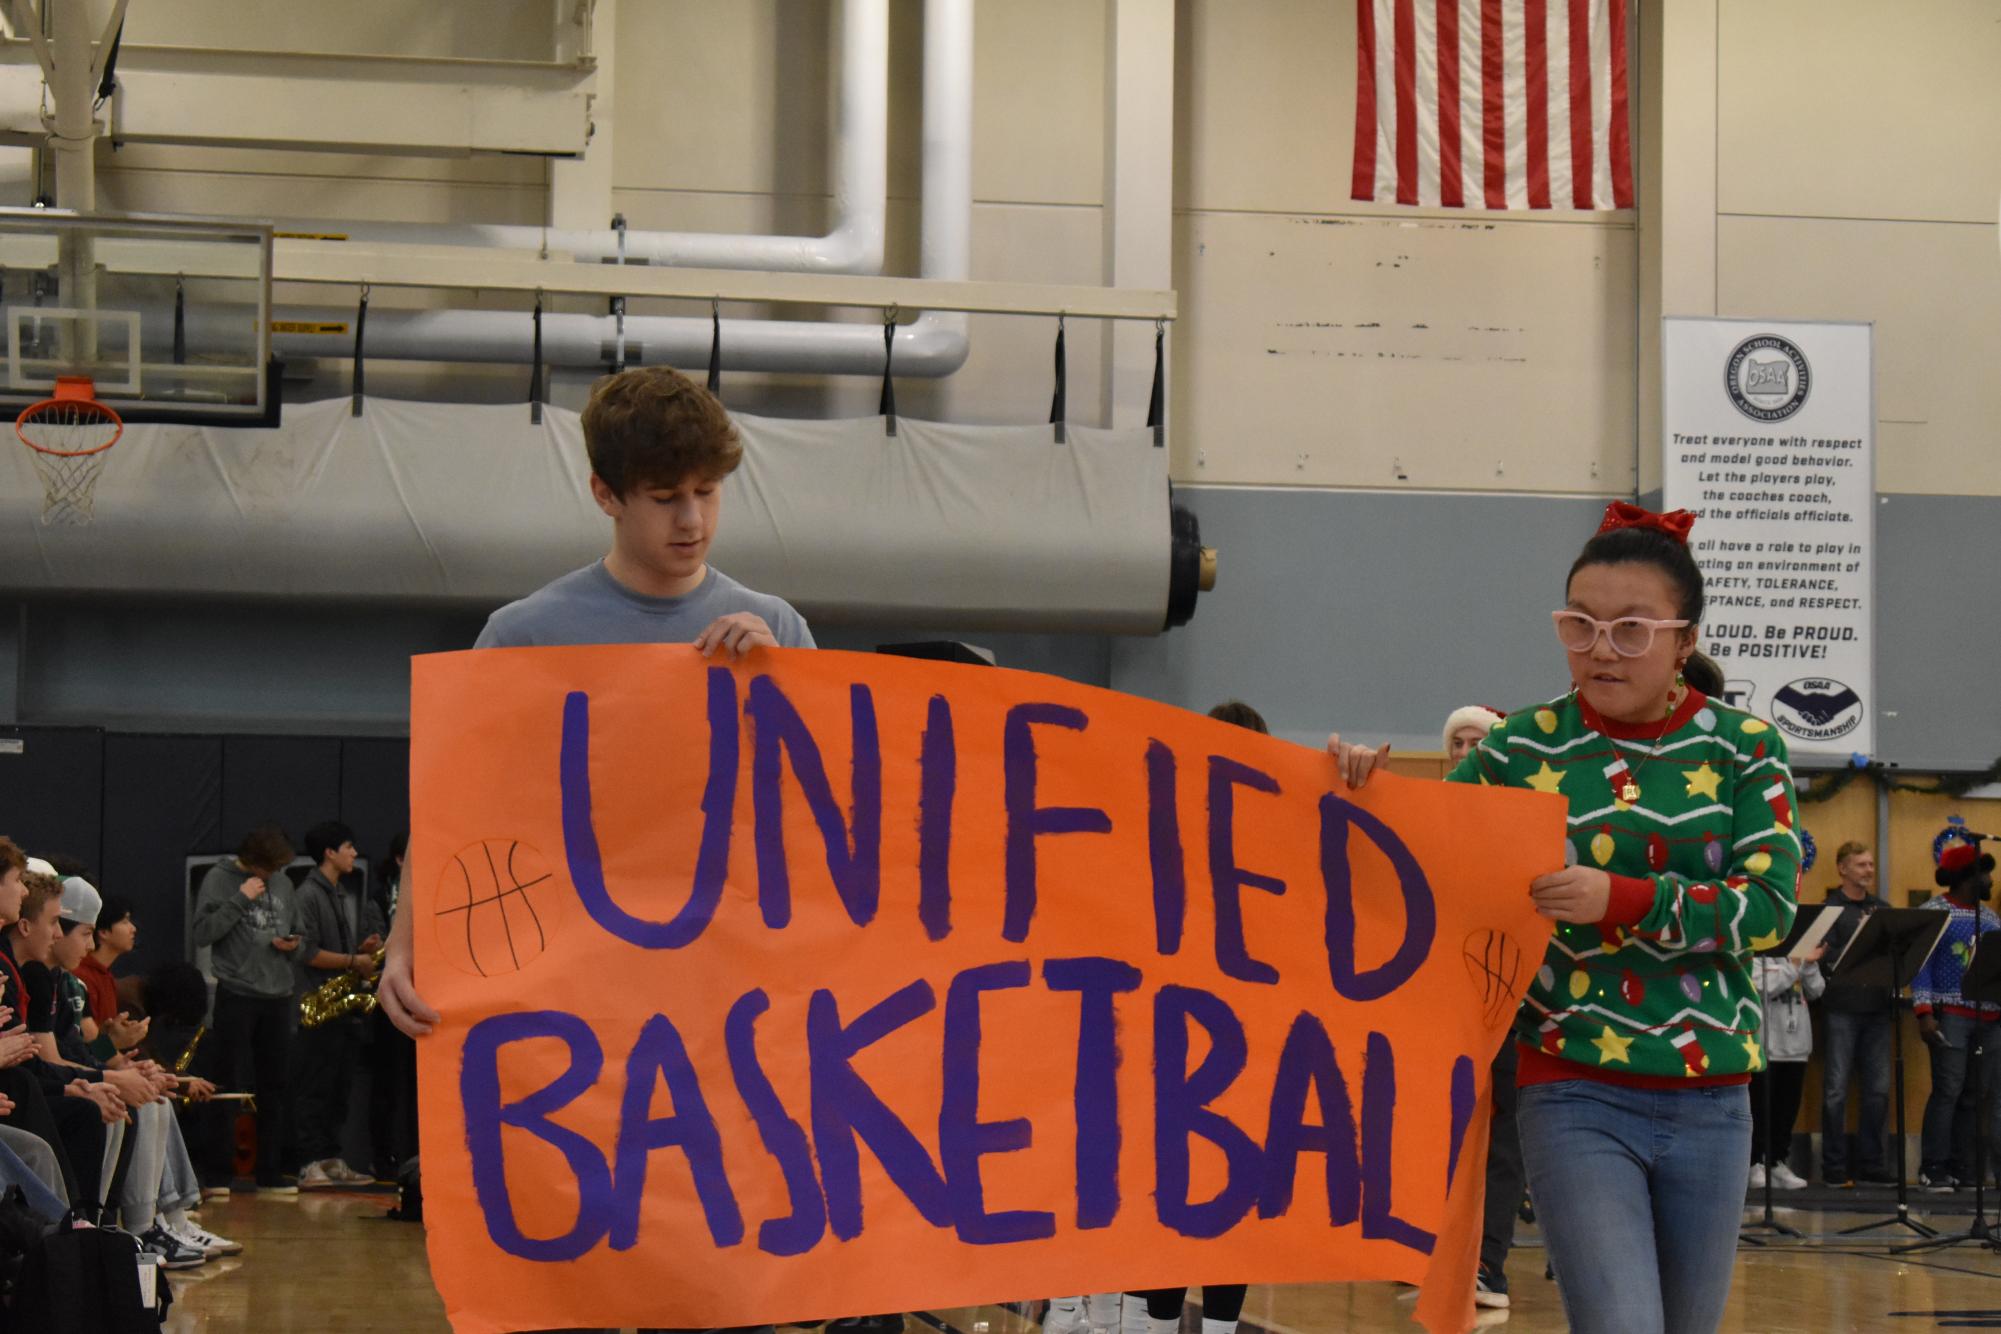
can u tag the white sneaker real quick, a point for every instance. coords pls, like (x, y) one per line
(339, 1172)
(1489, 1295)
(1786, 1179)
(315, 1177)
(1757, 1176)
(1065, 1316)
(207, 1242)
(173, 1253)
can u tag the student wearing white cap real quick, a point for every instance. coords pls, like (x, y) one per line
(160, 1185)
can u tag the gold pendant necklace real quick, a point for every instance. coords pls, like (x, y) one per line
(1629, 792)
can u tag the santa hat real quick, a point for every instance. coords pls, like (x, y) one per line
(1470, 715)
(1960, 860)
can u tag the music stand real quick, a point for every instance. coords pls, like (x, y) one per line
(1887, 952)
(1981, 983)
(1805, 937)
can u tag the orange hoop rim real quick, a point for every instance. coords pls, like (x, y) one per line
(70, 389)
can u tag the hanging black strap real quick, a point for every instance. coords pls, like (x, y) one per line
(716, 347)
(535, 375)
(887, 407)
(180, 320)
(360, 325)
(1156, 404)
(1059, 401)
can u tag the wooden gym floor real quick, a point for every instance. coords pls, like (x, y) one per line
(325, 1261)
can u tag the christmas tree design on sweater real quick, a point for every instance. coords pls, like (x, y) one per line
(1704, 865)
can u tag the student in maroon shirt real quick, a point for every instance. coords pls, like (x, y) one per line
(116, 936)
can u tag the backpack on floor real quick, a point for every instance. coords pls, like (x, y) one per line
(20, 1233)
(86, 1281)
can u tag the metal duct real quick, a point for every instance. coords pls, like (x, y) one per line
(933, 345)
(860, 169)
(938, 526)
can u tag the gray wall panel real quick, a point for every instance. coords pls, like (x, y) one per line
(1938, 639)
(1378, 613)
(1375, 614)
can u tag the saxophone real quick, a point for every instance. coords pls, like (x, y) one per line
(342, 994)
(187, 1056)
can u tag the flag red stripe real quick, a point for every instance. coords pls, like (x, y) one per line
(1622, 146)
(1406, 71)
(1450, 194)
(1364, 186)
(1493, 125)
(1535, 59)
(1580, 105)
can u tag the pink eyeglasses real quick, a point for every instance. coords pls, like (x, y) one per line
(1630, 636)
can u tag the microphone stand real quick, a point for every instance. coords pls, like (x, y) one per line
(1884, 945)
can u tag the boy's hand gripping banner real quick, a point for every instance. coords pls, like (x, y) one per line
(830, 984)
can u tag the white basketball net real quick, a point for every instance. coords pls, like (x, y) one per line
(68, 441)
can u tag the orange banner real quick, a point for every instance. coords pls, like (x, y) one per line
(832, 984)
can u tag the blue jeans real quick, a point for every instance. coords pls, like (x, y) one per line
(1857, 1051)
(1639, 1194)
(1950, 1056)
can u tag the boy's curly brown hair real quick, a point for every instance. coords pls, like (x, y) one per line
(653, 426)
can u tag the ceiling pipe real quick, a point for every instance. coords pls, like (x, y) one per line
(860, 169)
(933, 345)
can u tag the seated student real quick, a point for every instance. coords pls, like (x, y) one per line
(84, 1121)
(51, 941)
(160, 1186)
(26, 1161)
(247, 915)
(26, 1124)
(340, 931)
(117, 935)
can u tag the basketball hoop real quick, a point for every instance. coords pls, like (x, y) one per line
(68, 437)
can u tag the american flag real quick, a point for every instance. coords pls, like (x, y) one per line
(1503, 104)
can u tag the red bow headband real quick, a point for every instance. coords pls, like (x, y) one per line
(1675, 523)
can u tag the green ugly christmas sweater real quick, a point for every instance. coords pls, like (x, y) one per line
(1703, 865)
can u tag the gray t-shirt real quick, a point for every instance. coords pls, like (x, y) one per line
(590, 607)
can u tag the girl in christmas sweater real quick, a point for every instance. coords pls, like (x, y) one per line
(1641, 1029)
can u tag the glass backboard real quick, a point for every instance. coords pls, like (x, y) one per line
(170, 318)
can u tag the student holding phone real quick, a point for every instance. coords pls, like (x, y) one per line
(247, 916)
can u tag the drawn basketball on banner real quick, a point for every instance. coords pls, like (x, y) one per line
(498, 906)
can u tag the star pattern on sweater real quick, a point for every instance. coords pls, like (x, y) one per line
(1611, 1047)
(1546, 779)
(1753, 1053)
(1704, 781)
